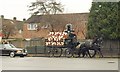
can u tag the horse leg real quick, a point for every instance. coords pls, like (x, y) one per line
(84, 53)
(100, 52)
(79, 52)
(94, 53)
(89, 53)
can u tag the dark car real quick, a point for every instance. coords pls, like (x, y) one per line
(12, 51)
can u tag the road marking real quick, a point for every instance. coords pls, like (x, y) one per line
(111, 61)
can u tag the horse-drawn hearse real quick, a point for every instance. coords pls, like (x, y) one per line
(66, 44)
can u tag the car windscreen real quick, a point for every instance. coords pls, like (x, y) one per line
(9, 46)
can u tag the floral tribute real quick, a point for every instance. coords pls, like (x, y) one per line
(55, 38)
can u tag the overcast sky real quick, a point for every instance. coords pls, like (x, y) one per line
(19, 9)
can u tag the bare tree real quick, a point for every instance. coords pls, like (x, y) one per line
(8, 29)
(79, 29)
(45, 7)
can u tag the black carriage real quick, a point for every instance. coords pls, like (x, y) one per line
(65, 43)
(54, 44)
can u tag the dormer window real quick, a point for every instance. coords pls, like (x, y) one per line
(32, 26)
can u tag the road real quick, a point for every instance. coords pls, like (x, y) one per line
(46, 63)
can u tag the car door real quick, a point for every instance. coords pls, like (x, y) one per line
(2, 49)
(6, 49)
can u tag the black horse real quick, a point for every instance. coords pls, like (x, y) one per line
(75, 51)
(95, 47)
(83, 49)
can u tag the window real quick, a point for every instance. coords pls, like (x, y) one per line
(9, 46)
(32, 26)
(1, 46)
(45, 26)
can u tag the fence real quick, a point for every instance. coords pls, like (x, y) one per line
(111, 48)
(31, 43)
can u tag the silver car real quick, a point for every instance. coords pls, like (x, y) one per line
(12, 51)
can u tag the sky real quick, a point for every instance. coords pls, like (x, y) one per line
(19, 9)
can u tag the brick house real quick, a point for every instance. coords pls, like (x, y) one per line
(18, 25)
(38, 26)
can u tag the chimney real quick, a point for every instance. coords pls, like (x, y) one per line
(24, 19)
(2, 16)
(14, 18)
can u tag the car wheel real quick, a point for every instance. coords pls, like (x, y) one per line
(12, 54)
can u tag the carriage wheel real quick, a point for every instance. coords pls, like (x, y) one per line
(68, 53)
(75, 54)
(49, 52)
(57, 52)
(61, 52)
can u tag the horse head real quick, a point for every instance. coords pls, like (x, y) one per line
(99, 41)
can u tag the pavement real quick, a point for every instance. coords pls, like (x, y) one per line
(62, 63)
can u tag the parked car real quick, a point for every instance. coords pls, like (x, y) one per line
(12, 51)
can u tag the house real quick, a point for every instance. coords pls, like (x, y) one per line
(38, 26)
(11, 28)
